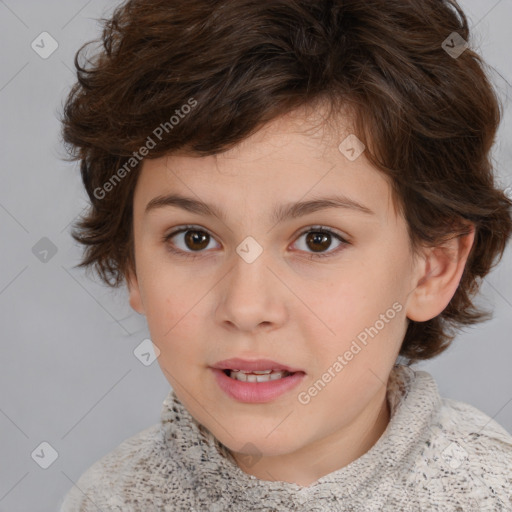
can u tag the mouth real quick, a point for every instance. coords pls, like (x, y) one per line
(256, 386)
(256, 380)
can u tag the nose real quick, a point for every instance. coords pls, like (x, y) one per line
(252, 296)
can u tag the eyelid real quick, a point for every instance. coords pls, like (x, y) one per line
(323, 228)
(186, 227)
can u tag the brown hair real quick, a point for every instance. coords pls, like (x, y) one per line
(428, 118)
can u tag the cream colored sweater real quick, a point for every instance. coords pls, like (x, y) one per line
(435, 455)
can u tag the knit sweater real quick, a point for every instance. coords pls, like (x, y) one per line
(435, 455)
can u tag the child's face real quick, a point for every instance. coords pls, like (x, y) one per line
(284, 306)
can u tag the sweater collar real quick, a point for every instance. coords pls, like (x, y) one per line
(413, 400)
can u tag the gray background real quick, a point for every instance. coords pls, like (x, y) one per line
(68, 374)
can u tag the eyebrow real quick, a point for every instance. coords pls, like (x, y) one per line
(280, 212)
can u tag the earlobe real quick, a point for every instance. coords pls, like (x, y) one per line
(441, 272)
(134, 292)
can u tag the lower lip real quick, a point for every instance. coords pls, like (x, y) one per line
(256, 392)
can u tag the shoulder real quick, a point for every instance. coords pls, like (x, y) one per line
(103, 485)
(467, 456)
(482, 442)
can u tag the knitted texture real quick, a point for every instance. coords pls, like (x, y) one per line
(435, 455)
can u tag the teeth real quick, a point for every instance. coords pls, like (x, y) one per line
(258, 376)
(258, 372)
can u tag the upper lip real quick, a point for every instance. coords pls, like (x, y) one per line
(236, 363)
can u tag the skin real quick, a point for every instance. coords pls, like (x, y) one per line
(283, 306)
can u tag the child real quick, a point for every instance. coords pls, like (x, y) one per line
(332, 161)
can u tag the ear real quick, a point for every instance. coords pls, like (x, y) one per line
(134, 291)
(438, 277)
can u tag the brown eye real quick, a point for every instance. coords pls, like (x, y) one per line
(318, 240)
(196, 240)
(187, 241)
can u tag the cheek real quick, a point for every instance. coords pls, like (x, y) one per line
(175, 328)
(169, 298)
(362, 303)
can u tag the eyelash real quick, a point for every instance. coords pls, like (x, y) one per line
(198, 254)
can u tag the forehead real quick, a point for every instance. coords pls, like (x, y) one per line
(293, 158)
